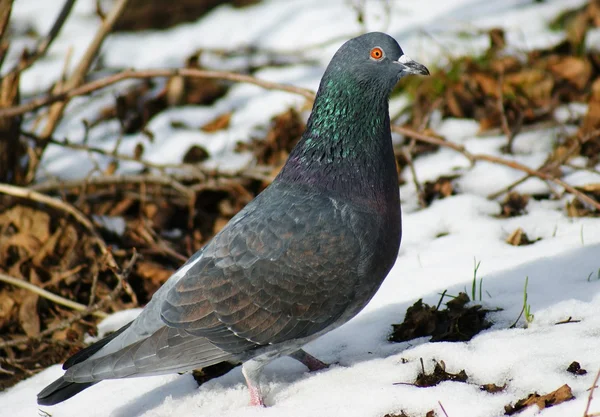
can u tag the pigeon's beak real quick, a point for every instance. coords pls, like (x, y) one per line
(412, 67)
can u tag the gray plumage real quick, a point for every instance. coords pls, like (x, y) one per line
(302, 258)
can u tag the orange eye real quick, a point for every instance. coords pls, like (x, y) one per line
(377, 53)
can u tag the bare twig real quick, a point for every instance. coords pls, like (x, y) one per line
(78, 75)
(44, 44)
(591, 396)
(109, 180)
(584, 198)
(112, 154)
(443, 409)
(550, 165)
(144, 74)
(195, 171)
(407, 152)
(47, 294)
(510, 133)
(5, 10)
(121, 280)
(425, 138)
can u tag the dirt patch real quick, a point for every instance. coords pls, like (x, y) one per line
(456, 322)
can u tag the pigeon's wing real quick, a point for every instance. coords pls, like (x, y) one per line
(165, 351)
(285, 269)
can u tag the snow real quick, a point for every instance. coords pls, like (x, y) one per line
(440, 244)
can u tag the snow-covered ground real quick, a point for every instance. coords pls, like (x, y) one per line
(440, 244)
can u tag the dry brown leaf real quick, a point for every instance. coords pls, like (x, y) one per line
(219, 123)
(29, 318)
(138, 150)
(28, 221)
(488, 84)
(577, 71)
(561, 395)
(505, 64)
(536, 84)
(7, 304)
(575, 208)
(439, 189)
(195, 155)
(153, 271)
(111, 168)
(518, 238)
(576, 369)
(492, 388)
(514, 204)
(154, 275)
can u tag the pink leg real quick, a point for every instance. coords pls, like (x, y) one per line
(308, 360)
(251, 370)
(256, 398)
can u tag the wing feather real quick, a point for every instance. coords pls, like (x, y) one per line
(287, 269)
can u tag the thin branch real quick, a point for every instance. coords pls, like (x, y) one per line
(584, 198)
(152, 73)
(115, 155)
(551, 165)
(54, 185)
(78, 75)
(121, 280)
(443, 409)
(44, 44)
(407, 152)
(195, 171)
(591, 396)
(510, 133)
(425, 138)
(5, 11)
(47, 294)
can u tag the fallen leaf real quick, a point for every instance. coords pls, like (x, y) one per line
(492, 388)
(514, 204)
(195, 154)
(455, 323)
(576, 369)
(219, 123)
(29, 318)
(577, 71)
(438, 375)
(518, 238)
(561, 395)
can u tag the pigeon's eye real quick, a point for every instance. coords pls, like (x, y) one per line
(377, 53)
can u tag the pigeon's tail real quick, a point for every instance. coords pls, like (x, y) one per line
(61, 390)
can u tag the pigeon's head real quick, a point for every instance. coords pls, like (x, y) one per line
(376, 60)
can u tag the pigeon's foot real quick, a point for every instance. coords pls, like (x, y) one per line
(251, 371)
(256, 398)
(308, 360)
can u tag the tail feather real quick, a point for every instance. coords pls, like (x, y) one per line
(84, 354)
(61, 390)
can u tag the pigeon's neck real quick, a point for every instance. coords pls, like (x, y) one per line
(347, 147)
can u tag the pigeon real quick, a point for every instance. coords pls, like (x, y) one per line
(301, 259)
